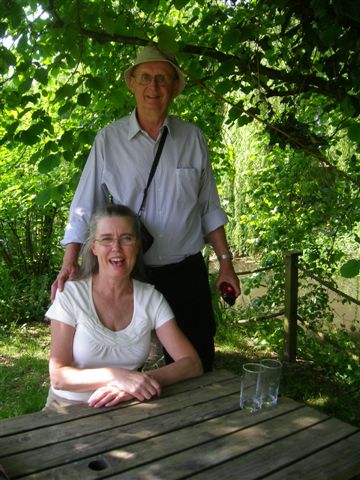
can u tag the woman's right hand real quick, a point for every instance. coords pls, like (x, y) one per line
(128, 385)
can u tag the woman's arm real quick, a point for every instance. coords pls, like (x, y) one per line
(65, 376)
(187, 363)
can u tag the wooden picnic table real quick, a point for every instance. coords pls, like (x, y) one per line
(195, 430)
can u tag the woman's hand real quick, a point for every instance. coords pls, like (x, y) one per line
(130, 385)
(108, 396)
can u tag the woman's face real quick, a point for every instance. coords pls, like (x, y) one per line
(115, 246)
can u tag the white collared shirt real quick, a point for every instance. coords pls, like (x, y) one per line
(182, 204)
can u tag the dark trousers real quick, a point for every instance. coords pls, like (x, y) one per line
(185, 286)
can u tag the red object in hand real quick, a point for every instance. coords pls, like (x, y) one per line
(227, 293)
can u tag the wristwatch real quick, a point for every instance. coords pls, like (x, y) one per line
(225, 256)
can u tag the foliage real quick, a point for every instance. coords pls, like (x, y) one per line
(24, 299)
(65, 60)
(273, 84)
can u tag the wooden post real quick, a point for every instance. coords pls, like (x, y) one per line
(291, 303)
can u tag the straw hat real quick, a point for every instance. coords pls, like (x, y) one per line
(153, 54)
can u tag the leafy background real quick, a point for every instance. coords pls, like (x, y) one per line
(273, 84)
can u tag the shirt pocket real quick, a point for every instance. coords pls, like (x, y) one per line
(187, 185)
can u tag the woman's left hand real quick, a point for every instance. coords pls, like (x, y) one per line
(108, 396)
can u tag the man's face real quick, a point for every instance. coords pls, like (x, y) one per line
(154, 85)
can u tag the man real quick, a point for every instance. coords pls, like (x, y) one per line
(182, 206)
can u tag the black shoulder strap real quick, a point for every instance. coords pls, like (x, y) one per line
(153, 168)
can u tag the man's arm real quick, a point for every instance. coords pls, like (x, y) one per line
(218, 241)
(69, 267)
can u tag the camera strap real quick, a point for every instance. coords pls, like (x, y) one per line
(153, 168)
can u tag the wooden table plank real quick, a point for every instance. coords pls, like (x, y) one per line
(195, 430)
(340, 461)
(24, 423)
(301, 445)
(185, 430)
(225, 445)
(78, 427)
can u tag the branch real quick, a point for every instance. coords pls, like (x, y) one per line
(305, 82)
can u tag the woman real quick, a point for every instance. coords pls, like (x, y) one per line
(102, 321)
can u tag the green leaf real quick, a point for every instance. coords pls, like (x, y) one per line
(25, 86)
(30, 136)
(244, 120)
(86, 137)
(347, 107)
(50, 146)
(6, 59)
(44, 197)
(68, 155)
(167, 36)
(148, 6)
(41, 75)
(354, 133)
(96, 83)
(108, 23)
(49, 163)
(3, 27)
(179, 4)
(64, 109)
(58, 192)
(65, 91)
(67, 139)
(84, 99)
(350, 269)
(51, 194)
(224, 86)
(234, 114)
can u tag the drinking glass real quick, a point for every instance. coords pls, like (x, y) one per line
(270, 381)
(250, 389)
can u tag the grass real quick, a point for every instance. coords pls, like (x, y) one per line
(322, 377)
(24, 377)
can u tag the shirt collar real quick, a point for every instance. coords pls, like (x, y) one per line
(134, 127)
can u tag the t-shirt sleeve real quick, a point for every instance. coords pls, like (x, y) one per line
(62, 309)
(162, 312)
(157, 308)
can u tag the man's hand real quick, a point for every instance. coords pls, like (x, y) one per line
(227, 274)
(66, 273)
(69, 268)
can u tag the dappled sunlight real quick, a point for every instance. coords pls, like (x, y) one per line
(122, 455)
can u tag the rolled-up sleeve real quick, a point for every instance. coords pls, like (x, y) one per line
(88, 196)
(213, 215)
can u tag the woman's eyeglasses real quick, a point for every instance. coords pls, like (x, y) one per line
(124, 241)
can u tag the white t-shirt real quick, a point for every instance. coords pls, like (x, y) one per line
(94, 345)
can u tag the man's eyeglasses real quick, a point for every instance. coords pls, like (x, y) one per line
(161, 80)
(124, 241)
